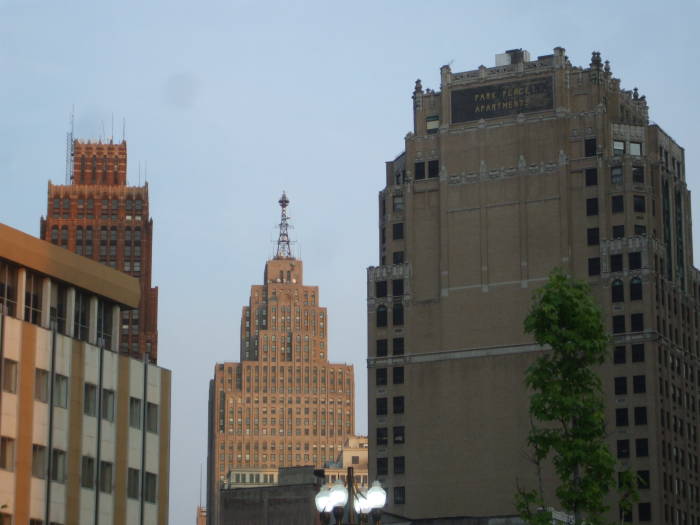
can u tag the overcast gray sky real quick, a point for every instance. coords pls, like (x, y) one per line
(230, 102)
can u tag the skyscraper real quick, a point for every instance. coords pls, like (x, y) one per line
(509, 172)
(99, 216)
(284, 404)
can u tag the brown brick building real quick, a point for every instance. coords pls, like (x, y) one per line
(509, 172)
(284, 404)
(97, 215)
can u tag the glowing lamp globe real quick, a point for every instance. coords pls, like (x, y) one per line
(323, 499)
(376, 496)
(339, 495)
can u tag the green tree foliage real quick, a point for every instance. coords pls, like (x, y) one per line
(566, 406)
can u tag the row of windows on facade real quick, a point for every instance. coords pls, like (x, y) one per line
(676, 455)
(383, 405)
(634, 262)
(619, 325)
(264, 459)
(381, 289)
(397, 376)
(274, 445)
(396, 258)
(253, 478)
(112, 234)
(397, 204)
(678, 425)
(382, 315)
(397, 347)
(398, 435)
(104, 204)
(617, 204)
(617, 175)
(60, 392)
(323, 431)
(619, 147)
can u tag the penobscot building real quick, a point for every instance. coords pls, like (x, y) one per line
(509, 172)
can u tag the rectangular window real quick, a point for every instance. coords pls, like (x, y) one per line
(618, 231)
(638, 353)
(620, 386)
(382, 347)
(640, 205)
(636, 149)
(640, 415)
(618, 204)
(106, 477)
(382, 466)
(382, 406)
(644, 511)
(420, 170)
(397, 346)
(640, 229)
(594, 266)
(381, 376)
(621, 417)
(398, 375)
(641, 447)
(637, 322)
(433, 169)
(398, 405)
(618, 324)
(152, 418)
(616, 263)
(380, 289)
(616, 176)
(58, 466)
(399, 464)
(619, 355)
(590, 147)
(635, 260)
(593, 236)
(591, 177)
(60, 391)
(399, 435)
(591, 207)
(9, 376)
(39, 461)
(108, 404)
(134, 412)
(133, 483)
(618, 147)
(399, 495)
(397, 314)
(382, 435)
(643, 479)
(623, 448)
(7, 453)
(639, 384)
(397, 257)
(90, 400)
(397, 287)
(397, 231)
(638, 174)
(87, 473)
(41, 385)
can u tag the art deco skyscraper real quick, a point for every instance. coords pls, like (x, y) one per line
(284, 404)
(509, 172)
(99, 216)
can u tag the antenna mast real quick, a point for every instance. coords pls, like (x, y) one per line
(284, 249)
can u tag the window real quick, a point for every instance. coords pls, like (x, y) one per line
(41, 385)
(397, 287)
(398, 204)
(591, 207)
(398, 375)
(590, 147)
(644, 511)
(616, 175)
(617, 291)
(397, 231)
(625, 515)
(397, 345)
(591, 177)
(618, 231)
(397, 314)
(618, 147)
(381, 376)
(637, 322)
(133, 483)
(355, 460)
(108, 404)
(382, 347)
(639, 384)
(593, 236)
(39, 461)
(640, 229)
(152, 418)
(638, 353)
(58, 466)
(398, 405)
(399, 495)
(90, 400)
(641, 447)
(399, 464)
(382, 406)
(382, 435)
(643, 479)
(636, 149)
(432, 123)
(433, 169)
(381, 316)
(134, 412)
(619, 355)
(60, 391)
(620, 386)
(636, 289)
(594, 266)
(635, 260)
(420, 170)
(380, 289)
(9, 376)
(7, 453)
(618, 324)
(399, 435)
(623, 448)
(640, 415)
(87, 473)
(621, 417)
(397, 257)
(639, 204)
(150, 484)
(618, 205)
(382, 466)
(638, 174)
(106, 477)
(616, 263)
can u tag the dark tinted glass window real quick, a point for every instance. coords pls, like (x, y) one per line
(640, 415)
(636, 289)
(420, 170)
(640, 205)
(638, 175)
(638, 353)
(397, 315)
(620, 386)
(593, 236)
(619, 355)
(398, 405)
(397, 287)
(380, 289)
(397, 346)
(381, 406)
(616, 262)
(381, 316)
(637, 322)
(617, 291)
(382, 435)
(623, 448)
(433, 168)
(618, 205)
(397, 257)
(643, 479)
(592, 206)
(644, 511)
(621, 417)
(382, 466)
(399, 464)
(398, 375)
(382, 349)
(399, 435)
(639, 384)
(397, 231)
(594, 266)
(618, 322)
(591, 177)
(641, 447)
(381, 376)
(589, 147)
(618, 232)
(635, 260)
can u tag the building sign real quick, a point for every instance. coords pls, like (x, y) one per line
(499, 100)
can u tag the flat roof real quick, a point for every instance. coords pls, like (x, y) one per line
(59, 263)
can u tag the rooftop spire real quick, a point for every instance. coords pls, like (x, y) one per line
(284, 249)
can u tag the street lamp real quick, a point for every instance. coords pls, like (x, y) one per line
(323, 505)
(362, 503)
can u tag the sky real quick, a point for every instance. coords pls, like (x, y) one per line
(228, 103)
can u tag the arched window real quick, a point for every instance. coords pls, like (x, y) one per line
(105, 165)
(127, 234)
(94, 169)
(82, 166)
(79, 234)
(113, 235)
(636, 289)
(54, 234)
(64, 236)
(617, 291)
(397, 314)
(381, 316)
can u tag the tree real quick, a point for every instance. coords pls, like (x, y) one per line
(566, 406)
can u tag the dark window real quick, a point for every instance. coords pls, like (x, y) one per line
(618, 204)
(637, 322)
(382, 347)
(625, 515)
(433, 168)
(397, 287)
(638, 174)
(398, 404)
(640, 415)
(380, 289)
(639, 384)
(617, 291)
(621, 417)
(381, 316)
(399, 495)
(382, 466)
(640, 205)
(397, 257)
(638, 353)
(87, 474)
(640, 229)
(399, 435)
(594, 266)
(397, 346)
(644, 510)
(616, 262)
(641, 447)
(618, 231)
(382, 435)
(623, 448)
(591, 177)
(616, 175)
(591, 206)
(620, 386)
(397, 315)
(397, 231)
(635, 260)
(398, 375)
(643, 479)
(593, 235)
(381, 406)
(636, 289)
(420, 170)
(619, 355)
(618, 324)
(589, 147)
(399, 464)
(381, 376)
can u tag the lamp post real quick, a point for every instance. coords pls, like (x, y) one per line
(359, 504)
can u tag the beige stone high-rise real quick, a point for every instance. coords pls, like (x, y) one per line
(509, 172)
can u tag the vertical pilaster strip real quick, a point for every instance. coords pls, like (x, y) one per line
(46, 303)
(116, 327)
(92, 322)
(164, 447)
(75, 432)
(25, 422)
(21, 291)
(70, 312)
(121, 458)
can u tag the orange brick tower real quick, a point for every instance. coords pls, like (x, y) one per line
(97, 215)
(284, 404)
